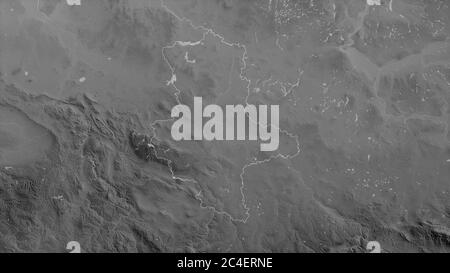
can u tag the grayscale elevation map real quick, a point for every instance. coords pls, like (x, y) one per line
(225, 126)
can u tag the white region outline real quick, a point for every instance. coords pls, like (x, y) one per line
(172, 82)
